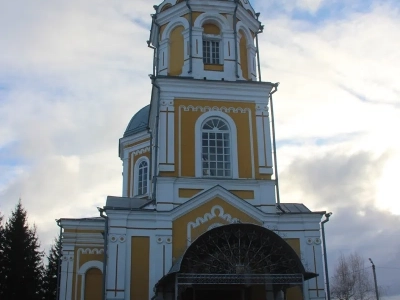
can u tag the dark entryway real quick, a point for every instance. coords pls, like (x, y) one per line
(214, 293)
(235, 262)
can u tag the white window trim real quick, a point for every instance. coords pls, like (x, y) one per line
(198, 142)
(93, 264)
(136, 176)
(215, 38)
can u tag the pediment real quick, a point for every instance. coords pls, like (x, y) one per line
(218, 192)
(210, 209)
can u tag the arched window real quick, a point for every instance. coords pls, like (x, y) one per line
(141, 178)
(216, 148)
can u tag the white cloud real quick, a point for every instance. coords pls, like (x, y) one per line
(75, 72)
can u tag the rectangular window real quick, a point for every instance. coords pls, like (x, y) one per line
(211, 52)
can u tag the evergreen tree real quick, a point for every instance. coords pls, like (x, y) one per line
(23, 268)
(51, 275)
(1, 257)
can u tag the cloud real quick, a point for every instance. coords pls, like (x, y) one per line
(345, 183)
(72, 74)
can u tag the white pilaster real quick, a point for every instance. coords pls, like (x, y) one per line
(163, 58)
(125, 174)
(263, 139)
(67, 274)
(116, 264)
(166, 135)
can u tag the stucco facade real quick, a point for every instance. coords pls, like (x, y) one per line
(197, 165)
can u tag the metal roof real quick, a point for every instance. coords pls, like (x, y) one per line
(139, 122)
(126, 203)
(295, 208)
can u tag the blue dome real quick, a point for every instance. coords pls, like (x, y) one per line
(139, 122)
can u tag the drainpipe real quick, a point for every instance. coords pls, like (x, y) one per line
(59, 261)
(235, 37)
(190, 36)
(155, 175)
(101, 211)
(278, 198)
(151, 154)
(328, 292)
(155, 49)
(260, 30)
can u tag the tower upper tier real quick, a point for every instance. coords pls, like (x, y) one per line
(205, 39)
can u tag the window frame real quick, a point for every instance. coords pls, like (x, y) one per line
(199, 144)
(212, 38)
(136, 177)
(216, 148)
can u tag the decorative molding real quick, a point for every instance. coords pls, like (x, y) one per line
(215, 108)
(167, 103)
(262, 109)
(207, 217)
(68, 257)
(164, 239)
(117, 238)
(215, 225)
(90, 251)
(313, 241)
(141, 151)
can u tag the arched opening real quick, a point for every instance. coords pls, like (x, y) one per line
(244, 61)
(212, 47)
(238, 262)
(165, 7)
(176, 51)
(93, 284)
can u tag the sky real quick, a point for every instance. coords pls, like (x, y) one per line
(72, 74)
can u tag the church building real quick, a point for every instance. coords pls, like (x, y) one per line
(199, 216)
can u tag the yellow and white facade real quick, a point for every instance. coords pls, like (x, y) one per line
(197, 167)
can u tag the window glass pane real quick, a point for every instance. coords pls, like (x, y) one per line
(211, 52)
(216, 148)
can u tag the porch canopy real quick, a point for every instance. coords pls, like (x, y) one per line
(237, 254)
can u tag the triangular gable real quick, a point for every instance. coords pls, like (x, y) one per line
(212, 208)
(222, 193)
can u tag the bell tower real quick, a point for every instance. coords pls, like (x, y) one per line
(208, 120)
(211, 40)
(198, 203)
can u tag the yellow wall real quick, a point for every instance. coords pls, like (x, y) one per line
(244, 64)
(189, 193)
(294, 293)
(195, 15)
(80, 260)
(140, 267)
(218, 68)
(176, 50)
(93, 284)
(188, 121)
(179, 227)
(211, 29)
(295, 244)
(243, 194)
